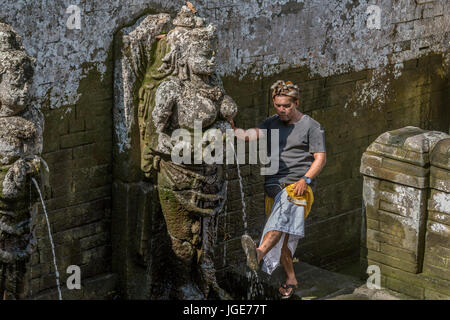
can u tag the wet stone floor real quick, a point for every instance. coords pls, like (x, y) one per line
(314, 284)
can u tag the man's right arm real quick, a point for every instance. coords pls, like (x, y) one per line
(247, 135)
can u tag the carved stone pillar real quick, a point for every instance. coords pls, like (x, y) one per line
(20, 147)
(396, 181)
(166, 81)
(437, 242)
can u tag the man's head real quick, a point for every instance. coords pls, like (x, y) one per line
(285, 99)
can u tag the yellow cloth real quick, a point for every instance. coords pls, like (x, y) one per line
(305, 200)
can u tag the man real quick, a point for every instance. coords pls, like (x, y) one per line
(301, 158)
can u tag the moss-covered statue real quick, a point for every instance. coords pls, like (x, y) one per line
(20, 143)
(180, 87)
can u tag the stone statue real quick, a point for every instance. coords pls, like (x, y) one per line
(20, 145)
(181, 86)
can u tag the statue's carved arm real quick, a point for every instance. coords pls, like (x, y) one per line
(165, 100)
(228, 108)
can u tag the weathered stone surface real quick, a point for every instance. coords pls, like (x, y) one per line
(440, 155)
(20, 147)
(397, 219)
(401, 156)
(437, 245)
(439, 179)
(67, 60)
(413, 251)
(414, 285)
(101, 286)
(409, 144)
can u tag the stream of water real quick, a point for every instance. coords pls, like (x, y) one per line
(255, 289)
(244, 214)
(50, 237)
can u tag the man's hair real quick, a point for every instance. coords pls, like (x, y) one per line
(288, 89)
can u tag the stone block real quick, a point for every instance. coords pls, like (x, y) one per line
(95, 253)
(437, 261)
(80, 138)
(372, 244)
(373, 224)
(385, 238)
(371, 165)
(434, 295)
(405, 201)
(442, 230)
(440, 155)
(434, 240)
(76, 124)
(405, 287)
(408, 144)
(394, 262)
(439, 201)
(94, 241)
(399, 160)
(401, 253)
(422, 280)
(435, 271)
(58, 156)
(99, 287)
(440, 179)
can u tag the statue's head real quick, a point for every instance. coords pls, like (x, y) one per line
(193, 45)
(201, 52)
(16, 72)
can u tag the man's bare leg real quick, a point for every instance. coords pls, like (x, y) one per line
(271, 238)
(286, 262)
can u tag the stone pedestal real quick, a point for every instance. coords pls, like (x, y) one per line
(396, 179)
(437, 242)
(401, 212)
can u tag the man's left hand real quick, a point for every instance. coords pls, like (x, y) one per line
(300, 187)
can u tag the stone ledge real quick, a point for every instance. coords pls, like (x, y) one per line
(422, 280)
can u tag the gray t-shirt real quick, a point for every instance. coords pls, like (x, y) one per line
(297, 143)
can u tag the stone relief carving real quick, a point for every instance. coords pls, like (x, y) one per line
(20, 147)
(177, 84)
(191, 196)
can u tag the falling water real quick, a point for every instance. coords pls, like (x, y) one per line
(32, 232)
(255, 289)
(225, 237)
(50, 237)
(244, 214)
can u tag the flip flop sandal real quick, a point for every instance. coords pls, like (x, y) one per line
(287, 287)
(249, 247)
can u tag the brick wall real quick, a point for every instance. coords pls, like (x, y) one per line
(77, 148)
